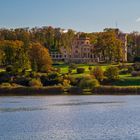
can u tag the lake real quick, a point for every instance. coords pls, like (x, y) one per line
(70, 118)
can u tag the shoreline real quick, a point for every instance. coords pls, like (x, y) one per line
(58, 90)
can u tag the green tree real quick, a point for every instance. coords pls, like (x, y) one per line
(112, 73)
(23, 61)
(88, 83)
(109, 45)
(10, 49)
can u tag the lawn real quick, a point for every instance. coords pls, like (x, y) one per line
(64, 67)
(125, 80)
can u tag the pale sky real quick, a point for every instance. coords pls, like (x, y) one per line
(80, 15)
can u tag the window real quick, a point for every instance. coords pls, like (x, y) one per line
(76, 51)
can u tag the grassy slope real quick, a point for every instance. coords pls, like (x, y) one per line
(128, 80)
(125, 80)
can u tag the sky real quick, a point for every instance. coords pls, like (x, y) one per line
(80, 15)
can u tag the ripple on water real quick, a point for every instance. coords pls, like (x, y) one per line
(70, 118)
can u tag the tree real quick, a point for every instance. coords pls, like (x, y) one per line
(133, 42)
(10, 49)
(67, 39)
(23, 61)
(112, 73)
(109, 45)
(14, 54)
(98, 73)
(88, 83)
(40, 57)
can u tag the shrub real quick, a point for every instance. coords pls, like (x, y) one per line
(58, 70)
(24, 81)
(5, 85)
(122, 72)
(88, 83)
(5, 77)
(70, 70)
(112, 73)
(26, 73)
(74, 81)
(98, 73)
(90, 68)
(72, 66)
(135, 73)
(54, 90)
(53, 75)
(122, 66)
(16, 85)
(66, 83)
(9, 68)
(136, 66)
(50, 79)
(35, 83)
(137, 59)
(35, 75)
(130, 69)
(80, 70)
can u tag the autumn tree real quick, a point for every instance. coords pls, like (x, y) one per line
(40, 58)
(98, 73)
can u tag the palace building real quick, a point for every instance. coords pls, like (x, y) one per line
(82, 51)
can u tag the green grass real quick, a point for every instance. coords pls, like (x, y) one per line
(64, 67)
(125, 80)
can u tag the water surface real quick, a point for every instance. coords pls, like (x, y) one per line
(70, 118)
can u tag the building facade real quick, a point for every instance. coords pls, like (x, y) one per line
(82, 51)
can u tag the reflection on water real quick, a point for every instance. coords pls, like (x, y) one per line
(56, 105)
(70, 118)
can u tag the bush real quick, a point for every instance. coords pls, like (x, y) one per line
(54, 90)
(98, 73)
(90, 68)
(58, 70)
(112, 73)
(34, 74)
(70, 70)
(136, 66)
(80, 70)
(88, 83)
(5, 85)
(16, 85)
(50, 79)
(137, 59)
(135, 73)
(9, 68)
(74, 81)
(72, 66)
(122, 66)
(5, 77)
(123, 72)
(117, 90)
(130, 69)
(35, 83)
(66, 83)
(24, 81)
